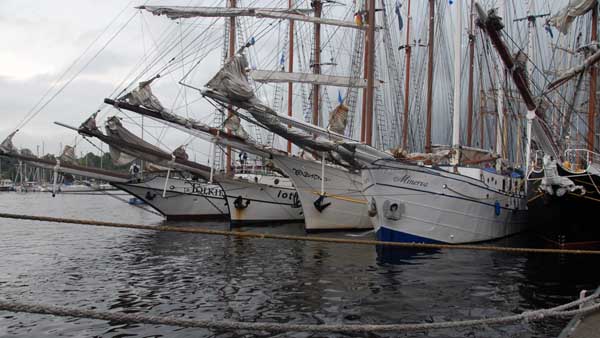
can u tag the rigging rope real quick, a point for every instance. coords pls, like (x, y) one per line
(33, 111)
(121, 317)
(246, 234)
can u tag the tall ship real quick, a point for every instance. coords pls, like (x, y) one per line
(557, 82)
(451, 194)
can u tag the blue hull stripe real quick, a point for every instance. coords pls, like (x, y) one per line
(388, 235)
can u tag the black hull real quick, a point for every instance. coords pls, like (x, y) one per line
(569, 221)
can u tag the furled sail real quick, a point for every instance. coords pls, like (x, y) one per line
(7, 145)
(574, 71)
(196, 128)
(234, 124)
(68, 155)
(563, 19)
(142, 96)
(181, 153)
(126, 142)
(114, 129)
(268, 76)
(179, 12)
(230, 86)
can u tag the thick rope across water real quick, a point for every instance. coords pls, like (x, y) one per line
(247, 234)
(537, 315)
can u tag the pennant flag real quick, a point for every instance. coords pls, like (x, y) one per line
(400, 22)
(549, 30)
(340, 99)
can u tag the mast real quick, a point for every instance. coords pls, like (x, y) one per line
(457, 96)
(593, 85)
(230, 3)
(291, 70)
(317, 6)
(408, 52)
(430, 75)
(500, 100)
(471, 76)
(364, 91)
(371, 71)
(530, 36)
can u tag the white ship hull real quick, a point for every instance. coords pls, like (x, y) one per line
(184, 200)
(420, 204)
(343, 190)
(255, 199)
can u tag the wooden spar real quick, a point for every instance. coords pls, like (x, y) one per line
(408, 52)
(370, 74)
(364, 92)
(231, 3)
(500, 82)
(430, 75)
(317, 6)
(291, 70)
(593, 84)
(457, 98)
(518, 76)
(471, 79)
(481, 113)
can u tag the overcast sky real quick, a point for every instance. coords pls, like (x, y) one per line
(41, 39)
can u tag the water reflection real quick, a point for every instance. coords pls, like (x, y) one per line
(400, 256)
(224, 278)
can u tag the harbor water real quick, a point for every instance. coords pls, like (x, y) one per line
(193, 276)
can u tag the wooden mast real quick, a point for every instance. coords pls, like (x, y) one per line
(291, 70)
(593, 85)
(317, 6)
(457, 82)
(408, 52)
(430, 75)
(364, 91)
(471, 78)
(370, 67)
(228, 161)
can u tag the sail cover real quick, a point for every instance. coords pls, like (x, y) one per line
(179, 12)
(563, 19)
(268, 76)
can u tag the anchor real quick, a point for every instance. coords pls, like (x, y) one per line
(238, 203)
(319, 205)
(150, 196)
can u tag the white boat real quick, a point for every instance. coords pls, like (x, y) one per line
(417, 203)
(74, 187)
(6, 185)
(335, 204)
(183, 199)
(261, 199)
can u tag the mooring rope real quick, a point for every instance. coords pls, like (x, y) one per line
(248, 234)
(536, 315)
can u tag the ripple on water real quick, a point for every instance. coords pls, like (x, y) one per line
(218, 278)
